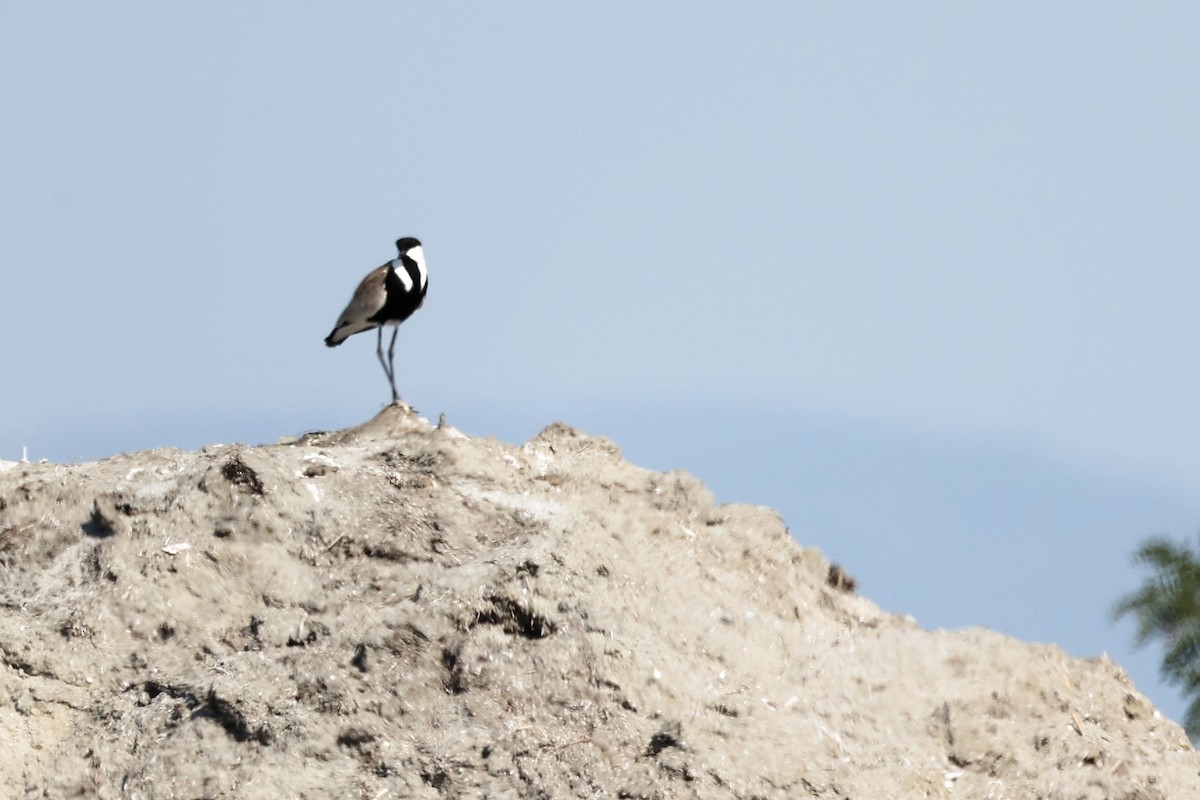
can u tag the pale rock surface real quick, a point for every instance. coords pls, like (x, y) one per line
(402, 611)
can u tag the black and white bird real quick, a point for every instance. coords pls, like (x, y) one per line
(387, 296)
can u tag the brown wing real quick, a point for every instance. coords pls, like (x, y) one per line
(368, 298)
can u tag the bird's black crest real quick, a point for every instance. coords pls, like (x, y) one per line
(406, 244)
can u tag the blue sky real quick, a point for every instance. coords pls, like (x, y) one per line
(921, 277)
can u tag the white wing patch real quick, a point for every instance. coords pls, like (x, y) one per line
(418, 255)
(401, 273)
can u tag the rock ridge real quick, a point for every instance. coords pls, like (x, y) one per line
(400, 610)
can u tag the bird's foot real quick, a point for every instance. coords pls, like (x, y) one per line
(398, 402)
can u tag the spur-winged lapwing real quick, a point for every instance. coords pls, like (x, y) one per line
(387, 296)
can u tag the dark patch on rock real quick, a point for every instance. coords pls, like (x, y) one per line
(840, 579)
(359, 659)
(515, 618)
(229, 716)
(669, 736)
(242, 476)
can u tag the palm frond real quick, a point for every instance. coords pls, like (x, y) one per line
(1167, 607)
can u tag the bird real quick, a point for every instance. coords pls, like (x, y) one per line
(387, 296)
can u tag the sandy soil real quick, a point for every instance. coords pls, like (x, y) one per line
(401, 611)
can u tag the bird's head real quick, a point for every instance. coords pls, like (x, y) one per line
(406, 244)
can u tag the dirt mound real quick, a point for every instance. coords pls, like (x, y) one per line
(401, 611)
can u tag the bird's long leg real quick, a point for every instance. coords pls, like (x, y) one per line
(392, 364)
(386, 370)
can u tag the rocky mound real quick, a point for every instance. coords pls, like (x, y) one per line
(401, 611)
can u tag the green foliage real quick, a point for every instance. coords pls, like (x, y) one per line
(1167, 607)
